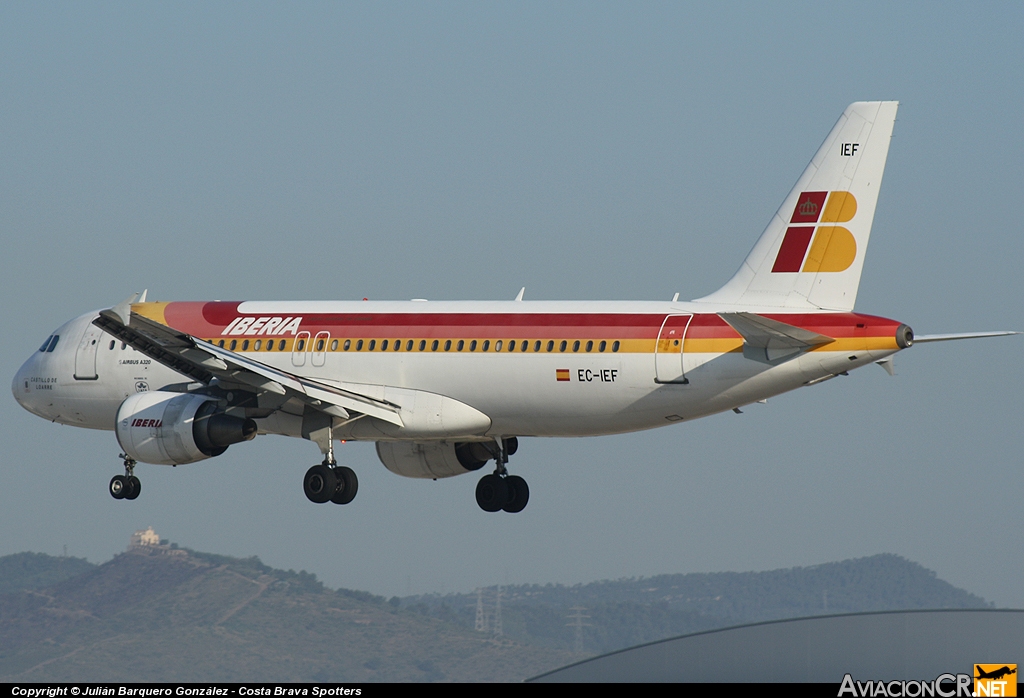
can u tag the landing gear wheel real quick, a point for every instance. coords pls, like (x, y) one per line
(118, 486)
(491, 493)
(347, 487)
(134, 487)
(319, 484)
(518, 494)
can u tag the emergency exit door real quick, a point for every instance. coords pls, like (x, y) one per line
(668, 352)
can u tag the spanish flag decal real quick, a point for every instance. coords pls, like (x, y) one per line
(562, 374)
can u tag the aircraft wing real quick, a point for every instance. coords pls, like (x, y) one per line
(204, 362)
(770, 341)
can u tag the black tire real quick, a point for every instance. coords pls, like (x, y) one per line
(518, 494)
(118, 486)
(491, 493)
(319, 484)
(347, 487)
(134, 487)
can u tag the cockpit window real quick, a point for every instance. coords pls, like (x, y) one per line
(53, 343)
(46, 343)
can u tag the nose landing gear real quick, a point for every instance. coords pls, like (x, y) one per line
(126, 486)
(500, 491)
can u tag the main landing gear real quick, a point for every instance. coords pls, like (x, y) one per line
(500, 491)
(126, 486)
(329, 482)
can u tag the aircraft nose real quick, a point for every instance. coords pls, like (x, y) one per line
(20, 385)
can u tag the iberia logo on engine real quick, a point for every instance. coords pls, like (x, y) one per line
(148, 423)
(833, 248)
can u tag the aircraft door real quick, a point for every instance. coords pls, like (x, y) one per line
(85, 357)
(668, 352)
(299, 349)
(319, 348)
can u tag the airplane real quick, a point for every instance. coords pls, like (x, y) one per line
(443, 388)
(995, 674)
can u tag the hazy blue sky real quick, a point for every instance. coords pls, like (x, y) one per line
(393, 151)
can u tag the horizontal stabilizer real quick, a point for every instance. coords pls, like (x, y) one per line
(770, 341)
(960, 335)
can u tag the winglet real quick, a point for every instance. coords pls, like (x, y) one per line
(123, 310)
(519, 296)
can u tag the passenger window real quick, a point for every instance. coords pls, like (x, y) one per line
(512, 345)
(536, 345)
(551, 345)
(270, 345)
(124, 345)
(486, 346)
(576, 345)
(257, 344)
(615, 345)
(408, 345)
(602, 345)
(472, 345)
(319, 345)
(398, 344)
(373, 344)
(234, 343)
(359, 345)
(334, 345)
(347, 345)
(590, 345)
(497, 345)
(245, 345)
(112, 343)
(433, 345)
(219, 344)
(561, 347)
(423, 344)
(447, 344)
(384, 345)
(461, 345)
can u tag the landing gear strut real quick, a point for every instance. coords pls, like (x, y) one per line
(329, 482)
(499, 490)
(125, 486)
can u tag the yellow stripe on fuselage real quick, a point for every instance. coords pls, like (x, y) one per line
(626, 346)
(152, 311)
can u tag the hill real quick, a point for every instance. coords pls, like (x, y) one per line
(37, 571)
(627, 612)
(160, 613)
(163, 614)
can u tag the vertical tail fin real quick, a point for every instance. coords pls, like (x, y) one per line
(812, 252)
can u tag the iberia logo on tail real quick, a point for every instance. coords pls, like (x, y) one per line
(833, 247)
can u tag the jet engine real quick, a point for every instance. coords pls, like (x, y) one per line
(432, 459)
(167, 428)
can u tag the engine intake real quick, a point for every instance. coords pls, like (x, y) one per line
(166, 428)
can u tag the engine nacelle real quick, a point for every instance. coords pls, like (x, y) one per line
(170, 428)
(431, 459)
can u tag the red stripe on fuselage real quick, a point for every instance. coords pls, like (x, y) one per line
(210, 320)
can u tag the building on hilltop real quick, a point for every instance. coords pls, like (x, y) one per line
(148, 543)
(141, 538)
